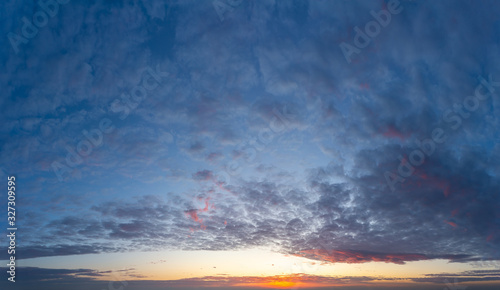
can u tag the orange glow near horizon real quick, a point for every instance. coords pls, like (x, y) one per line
(281, 284)
(258, 267)
(293, 281)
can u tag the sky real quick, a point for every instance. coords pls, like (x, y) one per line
(238, 144)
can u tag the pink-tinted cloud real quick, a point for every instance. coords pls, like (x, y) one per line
(203, 175)
(351, 257)
(193, 213)
(392, 132)
(442, 184)
(214, 156)
(451, 223)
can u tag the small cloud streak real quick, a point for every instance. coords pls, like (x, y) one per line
(193, 213)
(352, 257)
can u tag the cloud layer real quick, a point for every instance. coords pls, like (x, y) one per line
(257, 132)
